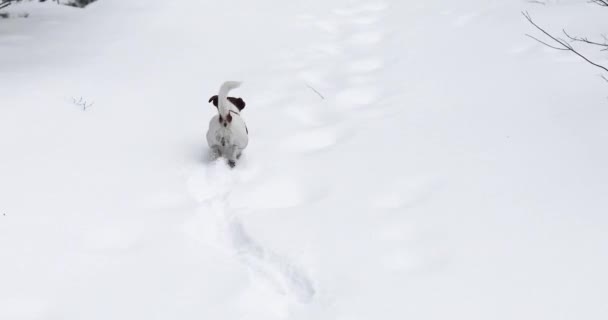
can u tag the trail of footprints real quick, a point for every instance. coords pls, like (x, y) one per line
(334, 75)
(347, 66)
(218, 191)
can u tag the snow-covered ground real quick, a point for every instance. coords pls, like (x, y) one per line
(447, 167)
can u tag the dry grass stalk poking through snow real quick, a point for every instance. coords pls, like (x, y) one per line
(80, 102)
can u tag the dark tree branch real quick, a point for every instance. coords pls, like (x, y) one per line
(4, 4)
(587, 41)
(603, 3)
(561, 43)
(546, 44)
(315, 90)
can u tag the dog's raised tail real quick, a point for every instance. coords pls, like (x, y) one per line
(223, 95)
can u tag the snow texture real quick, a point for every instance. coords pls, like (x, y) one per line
(407, 160)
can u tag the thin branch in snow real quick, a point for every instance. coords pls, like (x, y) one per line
(537, 2)
(587, 41)
(546, 44)
(4, 4)
(561, 43)
(82, 103)
(603, 3)
(315, 90)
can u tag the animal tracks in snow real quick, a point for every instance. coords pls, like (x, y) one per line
(342, 64)
(277, 270)
(220, 195)
(305, 115)
(345, 67)
(311, 140)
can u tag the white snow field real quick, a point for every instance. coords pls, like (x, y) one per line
(407, 160)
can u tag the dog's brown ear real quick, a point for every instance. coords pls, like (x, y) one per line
(238, 102)
(214, 100)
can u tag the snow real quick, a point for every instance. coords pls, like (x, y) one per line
(446, 166)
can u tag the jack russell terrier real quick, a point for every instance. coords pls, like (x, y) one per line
(228, 135)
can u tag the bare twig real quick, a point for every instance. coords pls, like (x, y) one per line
(546, 44)
(562, 44)
(315, 90)
(82, 103)
(537, 2)
(587, 41)
(603, 3)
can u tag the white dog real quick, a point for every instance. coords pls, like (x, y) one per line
(228, 135)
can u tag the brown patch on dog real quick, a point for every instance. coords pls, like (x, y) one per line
(237, 102)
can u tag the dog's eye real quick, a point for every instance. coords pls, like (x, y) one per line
(221, 119)
(229, 118)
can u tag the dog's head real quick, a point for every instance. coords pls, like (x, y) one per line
(237, 102)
